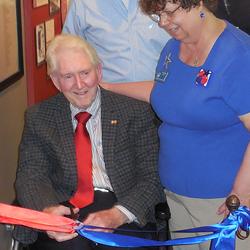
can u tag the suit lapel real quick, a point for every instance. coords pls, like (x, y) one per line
(65, 130)
(110, 121)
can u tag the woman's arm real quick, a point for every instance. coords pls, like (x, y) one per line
(137, 90)
(241, 186)
(242, 182)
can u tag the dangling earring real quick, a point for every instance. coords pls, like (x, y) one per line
(202, 14)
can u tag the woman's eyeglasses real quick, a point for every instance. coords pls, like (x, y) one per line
(163, 14)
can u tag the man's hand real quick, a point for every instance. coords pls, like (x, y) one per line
(60, 210)
(111, 218)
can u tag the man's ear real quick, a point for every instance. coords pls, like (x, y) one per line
(99, 72)
(55, 80)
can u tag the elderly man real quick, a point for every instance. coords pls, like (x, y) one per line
(103, 169)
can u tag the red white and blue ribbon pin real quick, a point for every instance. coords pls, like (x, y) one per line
(203, 77)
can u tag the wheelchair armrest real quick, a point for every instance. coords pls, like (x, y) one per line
(162, 212)
(162, 216)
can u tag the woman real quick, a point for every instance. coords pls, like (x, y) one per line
(202, 96)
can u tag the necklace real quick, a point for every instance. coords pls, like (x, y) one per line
(196, 61)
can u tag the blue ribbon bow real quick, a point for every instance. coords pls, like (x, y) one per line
(222, 235)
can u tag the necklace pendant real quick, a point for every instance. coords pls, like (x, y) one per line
(196, 62)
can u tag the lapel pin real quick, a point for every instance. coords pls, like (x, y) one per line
(162, 75)
(114, 122)
(203, 77)
(167, 60)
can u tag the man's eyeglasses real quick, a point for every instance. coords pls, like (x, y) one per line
(163, 14)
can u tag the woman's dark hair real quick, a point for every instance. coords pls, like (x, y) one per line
(152, 6)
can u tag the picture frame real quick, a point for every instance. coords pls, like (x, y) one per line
(54, 6)
(11, 64)
(64, 10)
(49, 31)
(38, 3)
(40, 43)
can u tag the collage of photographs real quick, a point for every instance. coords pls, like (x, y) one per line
(45, 32)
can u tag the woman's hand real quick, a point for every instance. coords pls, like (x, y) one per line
(244, 201)
(222, 210)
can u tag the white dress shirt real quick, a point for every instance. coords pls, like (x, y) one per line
(99, 174)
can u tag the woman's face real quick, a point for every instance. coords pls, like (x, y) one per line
(183, 25)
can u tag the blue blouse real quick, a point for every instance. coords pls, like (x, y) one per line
(202, 140)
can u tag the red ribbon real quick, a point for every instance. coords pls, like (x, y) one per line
(39, 220)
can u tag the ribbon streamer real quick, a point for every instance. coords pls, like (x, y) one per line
(31, 218)
(118, 240)
(222, 235)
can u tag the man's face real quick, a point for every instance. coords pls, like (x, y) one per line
(76, 77)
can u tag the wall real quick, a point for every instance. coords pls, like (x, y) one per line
(13, 102)
(33, 87)
(39, 86)
(12, 105)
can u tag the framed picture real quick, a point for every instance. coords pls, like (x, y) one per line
(40, 44)
(38, 3)
(49, 31)
(64, 9)
(11, 63)
(54, 6)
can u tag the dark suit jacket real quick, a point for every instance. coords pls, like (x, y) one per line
(47, 173)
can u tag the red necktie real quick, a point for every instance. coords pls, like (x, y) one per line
(85, 192)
